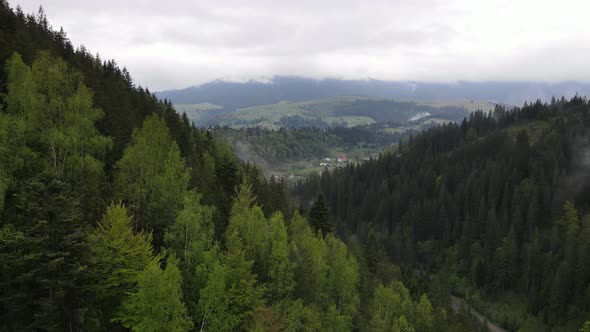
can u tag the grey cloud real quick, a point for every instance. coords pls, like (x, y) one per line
(174, 44)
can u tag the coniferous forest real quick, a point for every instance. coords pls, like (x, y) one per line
(117, 214)
(496, 205)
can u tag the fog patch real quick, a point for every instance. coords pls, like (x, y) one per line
(244, 151)
(578, 178)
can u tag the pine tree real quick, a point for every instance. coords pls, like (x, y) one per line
(320, 217)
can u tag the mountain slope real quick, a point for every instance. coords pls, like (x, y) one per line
(499, 204)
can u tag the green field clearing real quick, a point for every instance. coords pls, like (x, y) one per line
(326, 111)
(351, 121)
(470, 105)
(195, 112)
(270, 115)
(534, 129)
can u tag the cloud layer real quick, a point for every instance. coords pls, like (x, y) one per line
(173, 44)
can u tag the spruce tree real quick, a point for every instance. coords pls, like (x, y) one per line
(320, 217)
(118, 257)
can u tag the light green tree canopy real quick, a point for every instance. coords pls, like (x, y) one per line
(152, 177)
(157, 304)
(231, 294)
(118, 254)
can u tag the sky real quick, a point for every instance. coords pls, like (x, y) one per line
(180, 43)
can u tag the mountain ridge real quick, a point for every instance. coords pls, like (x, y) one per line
(233, 95)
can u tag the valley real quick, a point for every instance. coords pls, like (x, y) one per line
(291, 140)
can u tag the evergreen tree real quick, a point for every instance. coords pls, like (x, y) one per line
(56, 192)
(320, 217)
(231, 295)
(118, 257)
(157, 304)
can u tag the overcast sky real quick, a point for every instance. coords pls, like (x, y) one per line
(178, 43)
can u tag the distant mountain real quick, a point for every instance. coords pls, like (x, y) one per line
(234, 95)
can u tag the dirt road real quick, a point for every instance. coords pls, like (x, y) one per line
(457, 302)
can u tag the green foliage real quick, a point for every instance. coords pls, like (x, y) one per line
(10, 154)
(482, 201)
(300, 317)
(15, 260)
(392, 306)
(54, 109)
(157, 304)
(320, 216)
(231, 295)
(249, 223)
(569, 220)
(401, 324)
(387, 305)
(343, 277)
(265, 243)
(191, 238)
(276, 148)
(424, 315)
(326, 274)
(280, 268)
(311, 270)
(54, 173)
(51, 273)
(76, 133)
(50, 114)
(192, 233)
(152, 178)
(118, 257)
(66, 117)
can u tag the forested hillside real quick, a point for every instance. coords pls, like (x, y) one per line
(498, 205)
(292, 149)
(117, 214)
